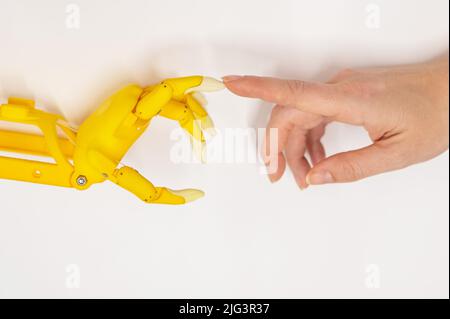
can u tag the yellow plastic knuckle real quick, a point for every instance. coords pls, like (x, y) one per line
(181, 85)
(154, 101)
(195, 106)
(135, 183)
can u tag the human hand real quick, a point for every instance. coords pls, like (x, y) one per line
(405, 110)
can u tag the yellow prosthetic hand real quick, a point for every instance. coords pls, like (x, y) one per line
(92, 153)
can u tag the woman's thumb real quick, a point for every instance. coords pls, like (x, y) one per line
(355, 165)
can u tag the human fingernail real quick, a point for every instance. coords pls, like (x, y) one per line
(319, 178)
(303, 188)
(271, 179)
(230, 78)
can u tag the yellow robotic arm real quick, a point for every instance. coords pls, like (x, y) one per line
(92, 153)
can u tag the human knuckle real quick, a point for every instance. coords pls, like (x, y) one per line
(352, 170)
(346, 72)
(295, 87)
(317, 135)
(277, 110)
(363, 89)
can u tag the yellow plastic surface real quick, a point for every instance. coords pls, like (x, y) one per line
(92, 154)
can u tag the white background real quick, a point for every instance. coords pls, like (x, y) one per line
(246, 238)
